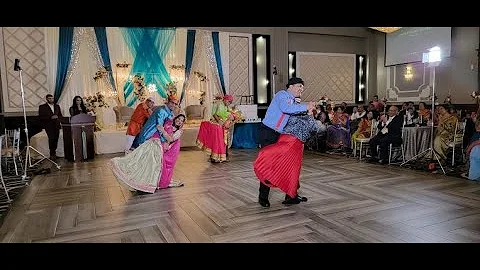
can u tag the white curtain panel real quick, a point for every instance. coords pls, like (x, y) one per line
(119, 54)
(202, 62)
(176, 56)
(86, 61)
(51, 53)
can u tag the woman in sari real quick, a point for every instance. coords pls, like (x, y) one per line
(150, 166)
(447, 124)
(338, 134)
(214, 135)
(424, 114)
(364, 127)
(279, 164)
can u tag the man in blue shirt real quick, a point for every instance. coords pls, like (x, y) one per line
(156, 120)
(282, 106)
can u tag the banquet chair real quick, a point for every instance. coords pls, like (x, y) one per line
(397, 148)
(123, 114)
(2, 139)
(12, 152)
(364, 141)
(458, 140)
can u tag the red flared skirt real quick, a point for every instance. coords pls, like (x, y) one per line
(280, 163)
(211, 139)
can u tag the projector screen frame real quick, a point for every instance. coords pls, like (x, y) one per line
(420, 61)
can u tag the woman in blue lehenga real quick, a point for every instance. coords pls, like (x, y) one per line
(338, 133)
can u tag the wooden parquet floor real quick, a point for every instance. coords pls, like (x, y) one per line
(349, 201)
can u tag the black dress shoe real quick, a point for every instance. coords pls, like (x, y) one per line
(302, 199)
(263, 202)
(291, 200)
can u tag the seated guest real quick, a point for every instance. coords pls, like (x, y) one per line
(423, 113)
(454, 112)
(390, 131)
(475, 140)
(403, 110)
(444, 132)
(474, 157)
(338, 134)
(471, 131)
(358, 113)
(365, 126)
(78, 107)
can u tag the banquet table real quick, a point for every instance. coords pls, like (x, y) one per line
(416, 140)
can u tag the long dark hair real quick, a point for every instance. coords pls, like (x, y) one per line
(175, 118)
(74, 109)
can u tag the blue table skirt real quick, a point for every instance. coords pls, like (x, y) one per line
(245, 135)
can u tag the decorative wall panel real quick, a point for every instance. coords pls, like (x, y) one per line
(327, 74)
(28, 45)
(408, 82)
(239, 67)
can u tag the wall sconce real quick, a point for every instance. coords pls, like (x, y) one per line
(361, 79)
(408, 73)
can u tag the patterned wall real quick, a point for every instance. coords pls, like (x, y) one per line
(327, 74)
(239, 66)
(408, 82)
(28, 45)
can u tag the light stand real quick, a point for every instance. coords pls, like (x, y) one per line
(433, 59)
(28, 156)
(275, 72)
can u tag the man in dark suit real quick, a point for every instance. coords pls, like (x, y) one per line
(389, 131)
(49, 115)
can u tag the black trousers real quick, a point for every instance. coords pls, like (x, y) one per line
(383, 140)
(267, 136)
(53, 135)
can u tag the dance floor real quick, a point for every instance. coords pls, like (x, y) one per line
(349, 201)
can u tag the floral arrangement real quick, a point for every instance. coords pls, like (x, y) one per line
(202, 97)
(95, 101)
(101, 73)
(139, 88)
(177, 67)
(171, 88)
(201, 76)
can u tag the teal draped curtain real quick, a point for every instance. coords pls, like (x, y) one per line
(65, 39)
(101, 34)
(218, 59)
(188, 58)
(148, 47)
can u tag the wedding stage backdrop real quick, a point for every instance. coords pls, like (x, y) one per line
(83, 61)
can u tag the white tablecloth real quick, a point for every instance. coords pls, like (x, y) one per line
(40, 142)
(105, 141)
(110, 141)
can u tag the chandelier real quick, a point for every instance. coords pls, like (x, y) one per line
(386, 29)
